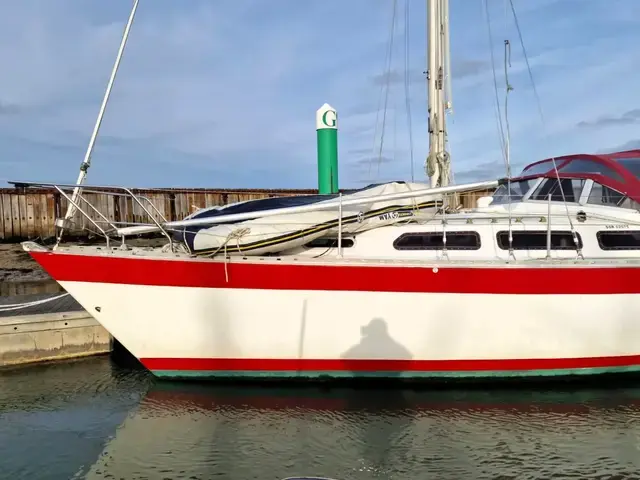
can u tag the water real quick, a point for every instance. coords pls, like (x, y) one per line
(92, 419)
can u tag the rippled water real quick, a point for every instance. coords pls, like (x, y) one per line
(90, 419)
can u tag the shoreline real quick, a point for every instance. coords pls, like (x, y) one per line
(16, 265)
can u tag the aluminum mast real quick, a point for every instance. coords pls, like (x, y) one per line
(437, 164)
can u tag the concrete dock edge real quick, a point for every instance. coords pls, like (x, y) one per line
(51, 336)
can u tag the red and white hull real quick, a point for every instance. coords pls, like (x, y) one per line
(185, 317)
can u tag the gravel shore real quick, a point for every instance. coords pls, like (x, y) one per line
(16, 265)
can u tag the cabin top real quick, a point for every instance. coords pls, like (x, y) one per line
(618, 170)
(608, 179)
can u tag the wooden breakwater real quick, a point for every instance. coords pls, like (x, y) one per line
(31, 213)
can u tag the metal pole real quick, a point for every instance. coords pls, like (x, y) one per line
(72, 202)
(340, 227)
(549, 227)
(431, 164)
(448, 100)
(437, 165)
(440, 120)
(442, 85)
(86, 163)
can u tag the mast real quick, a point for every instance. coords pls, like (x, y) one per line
(86, 163)
(437, 164)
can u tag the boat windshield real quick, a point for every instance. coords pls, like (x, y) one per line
(561, 190)
(631, 164)
(518, 190)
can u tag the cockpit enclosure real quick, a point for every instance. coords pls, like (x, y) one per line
(607, 180)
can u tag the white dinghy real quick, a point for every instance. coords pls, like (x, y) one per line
(276, 233)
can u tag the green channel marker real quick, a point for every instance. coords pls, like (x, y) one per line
(327, 131)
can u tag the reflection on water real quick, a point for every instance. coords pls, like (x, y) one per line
(55, 418)
(102, 422)
(201, 432)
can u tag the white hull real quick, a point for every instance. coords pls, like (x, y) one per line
(407, 313)
(192, 324)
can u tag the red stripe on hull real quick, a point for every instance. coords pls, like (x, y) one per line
(286, 276)
(312, 365)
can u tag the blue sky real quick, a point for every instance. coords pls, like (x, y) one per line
(223, 93)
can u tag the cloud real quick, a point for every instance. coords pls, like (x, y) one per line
(374, 160)
(360, 151)
(483, 171)
(9, 109)
(469, 68)
(629, 117)
(397, 76)
(630, 145)
(224, 93)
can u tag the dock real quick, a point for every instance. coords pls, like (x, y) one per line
(56, 329)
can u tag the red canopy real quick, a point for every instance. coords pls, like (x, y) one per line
(617, 170)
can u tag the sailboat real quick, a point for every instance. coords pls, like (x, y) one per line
(539, 280)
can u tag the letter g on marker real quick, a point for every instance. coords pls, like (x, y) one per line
(329, 118)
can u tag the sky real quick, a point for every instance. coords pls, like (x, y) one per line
(223, 93)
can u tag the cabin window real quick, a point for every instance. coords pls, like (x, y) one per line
(435, 241)
(329, 243)
(538, 168)
(631, 164)
(571, 187)
(619, 240)
(601, 195)
(518, 190)
(537, 240)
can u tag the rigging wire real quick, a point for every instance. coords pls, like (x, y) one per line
(407, 89)
(395, 129)
(495, 81)
(508, 87)
(542, 119)
(507, 141)
(385, 87)
(388, 81)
